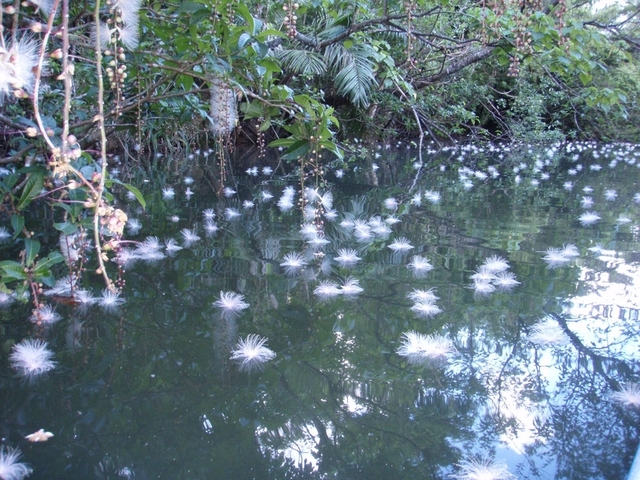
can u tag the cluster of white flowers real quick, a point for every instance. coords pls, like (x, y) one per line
(492, 275)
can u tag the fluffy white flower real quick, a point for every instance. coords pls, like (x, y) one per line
(251, 353)
(189, 237)
(420, 266)
(627, 396)
(10, 468)
(482, 469)
(400, 245)
(347, 257)
(293, 263)
(418, 348)
(44, 315)
(231, 304)
(495, 264)
(588, 218)
(425, 309)
(31, 358)
(327, 289)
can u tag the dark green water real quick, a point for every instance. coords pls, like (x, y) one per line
(149, 390)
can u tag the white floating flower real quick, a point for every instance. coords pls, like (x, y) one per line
(31, 358)
(10, 468)
(231, 213)
(505, 281)
(420, 266)
(293, 263)
(426, 309)
(555, 257)
(547, 332)
(110, 300)
(231, 304)
(351, 287)
(251, 353)
(189, 237)
(589, 218)
(482, 469)
(391, 204)
(327, 289)
(44, 315)
(347, 257)
(168, 193)
(423, 296)
(627, 396)
(400, 245)
(495, 264)
(418, 348)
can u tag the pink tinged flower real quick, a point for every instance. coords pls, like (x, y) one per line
(31, 358)
(44, 315)
(418, 348)
(251, 353)
(627, 396)
(482, 469)
(230, 304)
(10, 467)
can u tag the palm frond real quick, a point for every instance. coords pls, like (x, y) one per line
(302, 62)
(354, 74)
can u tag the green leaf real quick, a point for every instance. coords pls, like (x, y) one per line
(32, 247)
(45, 264)
(297, 150)
(282, 142)
(12, 271)
(32, 188)
(67, 228)
(17, 222)
(197, 16)
(133, 190)
(585, 78)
